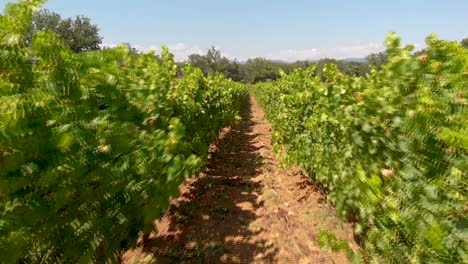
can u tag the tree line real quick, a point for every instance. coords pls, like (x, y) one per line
(80, 34)
(262, 69)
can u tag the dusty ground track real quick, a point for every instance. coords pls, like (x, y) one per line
(243, 208)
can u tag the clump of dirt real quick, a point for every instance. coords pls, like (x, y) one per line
(243, 208)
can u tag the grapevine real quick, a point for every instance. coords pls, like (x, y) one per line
(390, 147)
(94, 144)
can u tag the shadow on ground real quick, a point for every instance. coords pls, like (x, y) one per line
(210, 222)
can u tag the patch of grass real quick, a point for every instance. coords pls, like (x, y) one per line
(267, 166)
(145, 260)
(215, 249)
(272, 196)
(259, 160)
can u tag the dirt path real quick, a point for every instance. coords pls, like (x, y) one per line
(244, 209)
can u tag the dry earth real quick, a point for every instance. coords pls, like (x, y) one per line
(244, 208)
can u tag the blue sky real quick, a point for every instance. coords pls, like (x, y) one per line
(276, 29)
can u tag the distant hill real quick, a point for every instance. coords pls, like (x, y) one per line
(275, 61)
(355, 59)
(281, 61)
(289, 62)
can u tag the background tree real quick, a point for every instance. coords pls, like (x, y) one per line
(80, 34)
(377, 59)
(261, 69)
(201, 62)
(213, 62)
(347, 67)
(298, 64)
(132, 49)
(464, 42)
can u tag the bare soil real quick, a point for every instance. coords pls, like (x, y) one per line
(244, 208)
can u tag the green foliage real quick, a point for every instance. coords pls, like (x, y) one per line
(93, 144)
(329, 240)
(391, 148)
(78, 34)
(377, 60)
(352, 68)
(213, 62)
(464, 42)
(262, 69)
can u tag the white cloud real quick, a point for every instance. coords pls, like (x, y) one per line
(108, 45)
(339, 52)
(181, 51)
